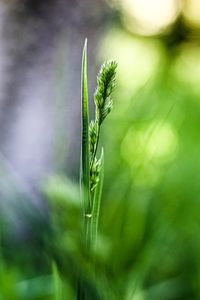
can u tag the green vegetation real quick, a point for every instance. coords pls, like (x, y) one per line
(132, 232)
(91, 167)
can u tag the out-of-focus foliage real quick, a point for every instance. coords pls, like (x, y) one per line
(149, 245)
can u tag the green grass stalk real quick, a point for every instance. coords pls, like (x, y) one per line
(91, 170)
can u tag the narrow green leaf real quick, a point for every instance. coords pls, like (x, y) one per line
(97, 201)
(85, 159)
(57, 282)
(85, 163)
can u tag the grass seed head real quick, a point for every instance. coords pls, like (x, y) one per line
(106, 81)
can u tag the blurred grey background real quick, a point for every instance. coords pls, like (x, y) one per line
(40, 63)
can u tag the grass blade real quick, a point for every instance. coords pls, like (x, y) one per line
(57, 283)
(85, 163)
(85, 167)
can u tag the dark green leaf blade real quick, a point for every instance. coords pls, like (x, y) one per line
(85, 159)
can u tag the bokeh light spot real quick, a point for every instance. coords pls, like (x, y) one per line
(150, 17)
(137, 59)
(155, 141)
(146, 149)
(162, 142)
(187, 66)
(191, 11)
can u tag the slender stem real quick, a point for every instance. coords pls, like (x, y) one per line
(96, 146)
(96, 196)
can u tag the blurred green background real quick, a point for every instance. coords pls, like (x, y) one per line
(149, 244)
